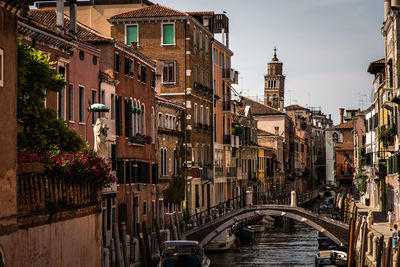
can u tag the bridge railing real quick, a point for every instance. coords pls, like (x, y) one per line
(223, 208)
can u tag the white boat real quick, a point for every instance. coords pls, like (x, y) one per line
(331, 257)
(258, 228)
(223, 241)
(183, 253)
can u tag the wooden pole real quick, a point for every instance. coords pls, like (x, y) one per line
(388, 252)
(364, 240)
(379, 254)
(117, 245)
(158, 235)
(142, 246)
(178, 231)
(146, 243)
(351, 240)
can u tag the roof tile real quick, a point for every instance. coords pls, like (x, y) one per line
(151, 11)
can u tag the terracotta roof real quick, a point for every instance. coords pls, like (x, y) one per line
(258, 108)
(344, 146)
(201, 13)
(296, 107)
(376, 66)
(150, 11)
(48, 18)
(346, 125)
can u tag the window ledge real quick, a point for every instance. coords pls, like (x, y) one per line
(162, 45)
(71, 121)
(82, 123)
(168, 83)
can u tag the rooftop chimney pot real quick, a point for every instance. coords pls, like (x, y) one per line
(341, 112)
(60, 16)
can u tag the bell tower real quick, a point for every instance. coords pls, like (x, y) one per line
(274, 88)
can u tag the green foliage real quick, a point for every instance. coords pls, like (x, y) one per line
(387, 135)
(237, 129)
(175, 193)
(361, 182)
(40, 129)
(361, 156)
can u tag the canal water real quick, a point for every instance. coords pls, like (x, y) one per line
(290, 245)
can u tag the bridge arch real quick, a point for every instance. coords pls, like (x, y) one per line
(335, 230)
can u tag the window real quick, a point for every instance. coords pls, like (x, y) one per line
(195, 113)
(168, 34)
(128, 121)
(143, 119)
(131, 34)
(143, 75)
(153, 79)
(201, 114)
(201, 40)
(195, 73)
(71, 102)
(160, 120)
(117, 62)
(1, 67)
(207, 79)
(201, 76)
(206, 44)
(128, 66)
(163, 160)
(169, 72)
(94, 100)
(112, 107)
(144, 208)
(197, 196)
(139, 71)
(118, 115)
(207, 116)
(61, 95)
(81, 104)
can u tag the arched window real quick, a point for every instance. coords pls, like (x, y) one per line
(143, 119)
(153, 135)
(138, 117)
(134, 114)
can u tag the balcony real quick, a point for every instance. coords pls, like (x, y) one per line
(230, 75)
(201, 127)
(227, 139)
(202, 89)
(387, 99)
(43, 193)
(226, 106)
(206, 173)
(231, 172)
(219, 171)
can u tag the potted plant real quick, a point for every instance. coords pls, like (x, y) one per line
(386, 136)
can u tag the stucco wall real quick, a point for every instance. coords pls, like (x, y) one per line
(75, 242)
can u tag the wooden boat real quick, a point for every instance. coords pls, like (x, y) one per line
(223, 241)
(245, 234)
(258, 228)
(331, 257)
(183, 253)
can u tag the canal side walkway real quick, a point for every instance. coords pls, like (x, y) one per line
(380, 227)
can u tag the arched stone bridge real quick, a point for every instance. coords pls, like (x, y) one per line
(333, 229)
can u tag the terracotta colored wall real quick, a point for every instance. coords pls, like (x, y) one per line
(75, 242)
(8, 122)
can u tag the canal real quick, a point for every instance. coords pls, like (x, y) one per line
(291, 244)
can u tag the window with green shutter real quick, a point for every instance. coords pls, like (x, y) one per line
(168, 34)
(131, 34)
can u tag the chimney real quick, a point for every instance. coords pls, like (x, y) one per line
(276, 130)
(60, 15)
(330, 116)
(72, 19)
(386, 8)
(134, 45)
(341, 112)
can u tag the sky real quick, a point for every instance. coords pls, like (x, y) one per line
(325, 46)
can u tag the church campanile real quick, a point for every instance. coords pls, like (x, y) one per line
(274, 89)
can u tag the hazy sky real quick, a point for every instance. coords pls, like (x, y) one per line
(325, 45)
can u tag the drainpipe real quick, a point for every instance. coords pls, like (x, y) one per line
(184, 122)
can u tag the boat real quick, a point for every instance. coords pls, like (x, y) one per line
(258, 228)
(331, 257)
(178, 253)
(223, 241)
(268, 222)
(325, 243)
(245, 234)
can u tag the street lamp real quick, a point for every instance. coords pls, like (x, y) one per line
(97, 107)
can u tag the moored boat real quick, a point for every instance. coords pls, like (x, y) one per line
(245, 234)
(258, 228)
(223, 241)
(331, 257)
(183, 253)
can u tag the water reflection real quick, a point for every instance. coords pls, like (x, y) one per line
(293, 244)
